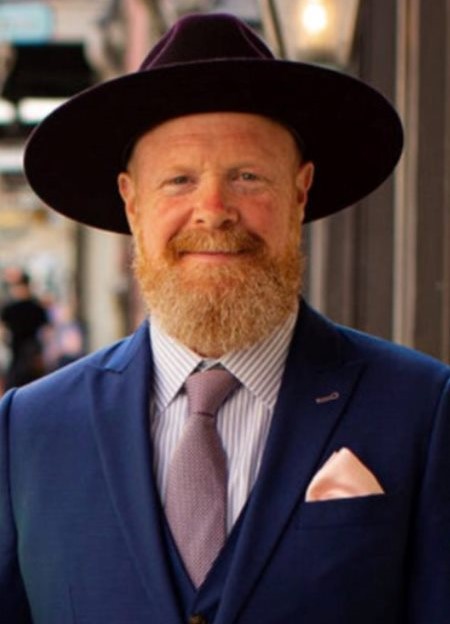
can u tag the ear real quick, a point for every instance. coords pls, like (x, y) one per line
(304, 180)
(127, 192)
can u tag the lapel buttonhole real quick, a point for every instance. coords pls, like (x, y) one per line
(333, 396)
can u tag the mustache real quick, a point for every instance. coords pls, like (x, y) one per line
(220, 241)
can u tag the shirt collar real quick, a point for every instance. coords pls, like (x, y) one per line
(173, 363)
(259, 367)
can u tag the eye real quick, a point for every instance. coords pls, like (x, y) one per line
(248, 176)
(179, 180)
(176, 184)
(248, 180)
(244, 175)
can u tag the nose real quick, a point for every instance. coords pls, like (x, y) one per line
(214, 208)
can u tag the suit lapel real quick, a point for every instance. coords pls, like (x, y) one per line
(316, 387)
(119, 400)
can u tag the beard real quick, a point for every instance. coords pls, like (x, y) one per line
(215, 309)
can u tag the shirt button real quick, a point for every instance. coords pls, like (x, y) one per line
(198, 618)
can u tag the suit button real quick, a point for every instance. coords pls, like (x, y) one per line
(198, 618)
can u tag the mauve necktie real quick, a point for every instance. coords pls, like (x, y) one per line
(197, 478)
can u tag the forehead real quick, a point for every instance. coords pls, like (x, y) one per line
(235, 129)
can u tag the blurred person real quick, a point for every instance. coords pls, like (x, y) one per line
(5, 359)
(240, 459)
(64, 341)
(24, 318)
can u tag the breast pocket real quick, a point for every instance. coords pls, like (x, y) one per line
(350, 549)
(377, 509)
(354, 530)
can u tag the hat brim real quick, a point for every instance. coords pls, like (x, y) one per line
(351, 132)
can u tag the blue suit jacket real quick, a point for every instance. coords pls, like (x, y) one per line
(80, 534)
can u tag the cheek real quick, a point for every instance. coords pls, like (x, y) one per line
(271, 221)
(157, 228)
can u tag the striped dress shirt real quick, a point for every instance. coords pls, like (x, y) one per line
(243, 421)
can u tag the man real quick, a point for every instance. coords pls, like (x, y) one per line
(24, 318)
(335, 445)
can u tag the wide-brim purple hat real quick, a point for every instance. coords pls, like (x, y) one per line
(212, 63)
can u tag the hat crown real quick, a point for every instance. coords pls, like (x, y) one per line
(197, 38)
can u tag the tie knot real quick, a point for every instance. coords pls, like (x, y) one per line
(207, 390)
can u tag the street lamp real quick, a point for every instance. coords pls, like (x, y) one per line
(7, 112)
(318, 31)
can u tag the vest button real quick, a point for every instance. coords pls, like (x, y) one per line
(197, 618)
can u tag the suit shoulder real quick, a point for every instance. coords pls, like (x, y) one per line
(115, 356)
(327, 343)
(377, 350)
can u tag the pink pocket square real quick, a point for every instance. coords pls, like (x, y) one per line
(342, 476)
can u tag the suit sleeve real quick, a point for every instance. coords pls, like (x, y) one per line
(429, 591)
(13, 603)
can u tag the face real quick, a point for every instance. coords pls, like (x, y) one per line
(209, 197)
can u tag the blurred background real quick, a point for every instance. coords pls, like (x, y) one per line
(383, 267)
